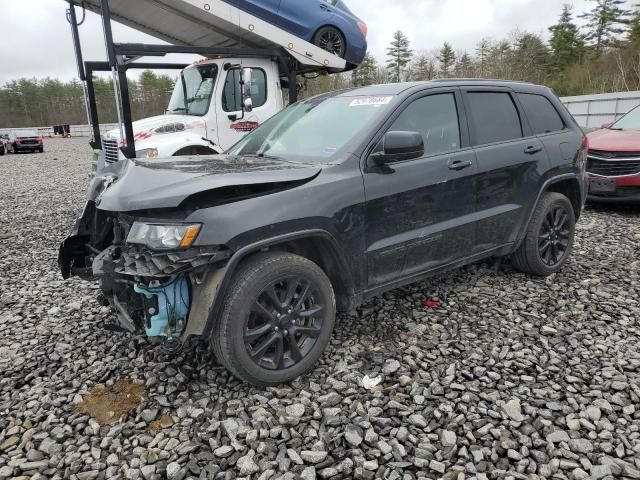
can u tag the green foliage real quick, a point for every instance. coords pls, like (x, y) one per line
(605, 23)
(567, 44)
(447, 59)
(366, 73)
(398, 56)
(47, 102)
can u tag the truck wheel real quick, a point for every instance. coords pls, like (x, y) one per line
(331, 40)
(277, 319)
(549, 238)
(41, 149)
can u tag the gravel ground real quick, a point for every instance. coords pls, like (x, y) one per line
(510, 377)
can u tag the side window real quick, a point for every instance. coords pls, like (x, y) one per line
(436, 118)
(541, 113)
(494, 117)
(232, 94)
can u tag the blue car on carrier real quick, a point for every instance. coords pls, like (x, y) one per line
(329, 24)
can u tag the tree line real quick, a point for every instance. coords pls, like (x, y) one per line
(601, 56)
(47, 102)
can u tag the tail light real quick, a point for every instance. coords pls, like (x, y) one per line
(363, 28)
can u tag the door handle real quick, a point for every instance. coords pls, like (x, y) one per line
(460, 164)
(325, 7)
(532, 150)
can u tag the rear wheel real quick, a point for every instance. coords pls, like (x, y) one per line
(331, 40)
(41, 149)
(549, 239)
(277, 319)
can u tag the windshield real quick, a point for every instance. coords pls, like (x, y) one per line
(193, 90)
(27, 133)
(316, 128)
(631, 121)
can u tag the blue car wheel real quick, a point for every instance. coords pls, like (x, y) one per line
(331, 39)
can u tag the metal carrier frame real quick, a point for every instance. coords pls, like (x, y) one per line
(122, 57)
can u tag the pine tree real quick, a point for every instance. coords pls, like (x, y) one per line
(567, 44)
(399, 55)
(365, 74)
(531, 58)
(424, 68)
(464, 66)
(447, 59)
(606, 22)
(482, 53)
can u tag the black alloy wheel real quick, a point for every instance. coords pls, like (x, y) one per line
(284, 324)
(331, 40)
(555, 236)
(277, 318)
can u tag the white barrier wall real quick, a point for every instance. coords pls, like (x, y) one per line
(592, 111)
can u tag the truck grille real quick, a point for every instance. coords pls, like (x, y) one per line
(111, 151)
(613, 164)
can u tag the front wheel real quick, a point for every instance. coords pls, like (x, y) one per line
(331, 40)
(277, 319)
(549, 238)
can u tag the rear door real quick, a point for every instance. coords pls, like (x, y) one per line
(420, 212)
(303, 18)
(265, 9)
(511, 162)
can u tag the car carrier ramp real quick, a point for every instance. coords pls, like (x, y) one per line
(214, 23)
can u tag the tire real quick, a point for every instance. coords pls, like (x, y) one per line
(332, 40)
(549, 239)
(2, 152)
(248, 307)
(41, 150)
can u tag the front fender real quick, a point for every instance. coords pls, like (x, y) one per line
(226, 274)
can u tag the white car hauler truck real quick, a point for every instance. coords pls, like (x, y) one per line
(237, 86)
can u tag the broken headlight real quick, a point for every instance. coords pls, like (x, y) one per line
(163, 237)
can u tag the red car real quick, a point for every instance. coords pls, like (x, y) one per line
(614, 161)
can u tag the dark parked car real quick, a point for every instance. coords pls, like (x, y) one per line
(334, 200)
(328, 24)
(26, 141)
(614, 161)
(4, 144)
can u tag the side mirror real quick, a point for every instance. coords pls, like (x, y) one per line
(607, 125)
(399, 145)
(248, 105)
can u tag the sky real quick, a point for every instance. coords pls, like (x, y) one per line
(42, 47)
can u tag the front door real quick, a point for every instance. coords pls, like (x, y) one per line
(232, 124)
(511, 162)
(420, 212)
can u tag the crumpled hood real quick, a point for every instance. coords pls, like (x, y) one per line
(153, 184)
(161, 124)
(615, 140)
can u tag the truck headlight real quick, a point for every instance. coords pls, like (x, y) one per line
(147, 153)
(163, 237)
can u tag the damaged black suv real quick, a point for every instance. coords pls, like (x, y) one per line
(332, 201)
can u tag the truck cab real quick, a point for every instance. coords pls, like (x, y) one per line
(213, 105)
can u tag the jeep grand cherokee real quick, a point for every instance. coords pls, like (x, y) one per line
(334, 200)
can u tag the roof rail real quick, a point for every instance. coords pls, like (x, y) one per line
(479, 80)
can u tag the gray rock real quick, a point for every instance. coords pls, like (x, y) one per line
(390, 367)
(313, 457)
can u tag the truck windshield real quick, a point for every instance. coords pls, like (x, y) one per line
(314, 129)
(631, 121)
(193, 90)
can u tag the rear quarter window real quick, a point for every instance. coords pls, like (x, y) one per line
(542, 115)
(494, 117)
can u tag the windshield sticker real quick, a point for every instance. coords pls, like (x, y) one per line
(370, 101)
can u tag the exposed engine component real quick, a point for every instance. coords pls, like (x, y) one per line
(166, 307)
